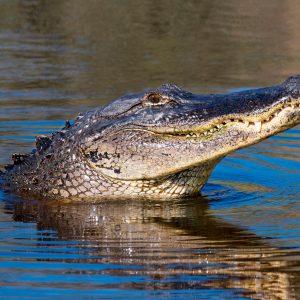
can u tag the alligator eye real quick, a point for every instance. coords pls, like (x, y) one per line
(154, 98)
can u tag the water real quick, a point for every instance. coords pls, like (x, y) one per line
(239, 240)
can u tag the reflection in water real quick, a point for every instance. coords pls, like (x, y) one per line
(169, 246)
(60, 57)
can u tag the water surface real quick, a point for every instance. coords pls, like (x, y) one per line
(240, 239)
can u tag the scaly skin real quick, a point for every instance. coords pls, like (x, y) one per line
(160, 144)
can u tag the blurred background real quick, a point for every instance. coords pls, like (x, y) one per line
(58, 55)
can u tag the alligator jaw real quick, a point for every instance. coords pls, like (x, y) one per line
(243, 131)
(183, 181)
(221, 137)
(256, 122)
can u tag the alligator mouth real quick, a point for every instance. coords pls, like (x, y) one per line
(255, 122)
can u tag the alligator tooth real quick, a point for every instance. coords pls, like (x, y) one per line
(293, 106)
(246, 123)
(219, 126)
(276, 113)
(258, 126)
(205, 132)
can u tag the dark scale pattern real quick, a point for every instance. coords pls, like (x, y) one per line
(162, 143)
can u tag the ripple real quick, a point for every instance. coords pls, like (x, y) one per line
(239, 240)
(167, 246)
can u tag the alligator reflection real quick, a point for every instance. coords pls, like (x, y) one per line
(178, 245)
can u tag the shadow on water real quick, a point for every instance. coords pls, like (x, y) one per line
(149, 246)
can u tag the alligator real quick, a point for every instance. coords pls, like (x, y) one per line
(159, 144)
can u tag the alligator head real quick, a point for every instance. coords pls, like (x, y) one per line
(162, 143)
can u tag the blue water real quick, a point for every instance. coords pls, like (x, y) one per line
(240, 239)
(244, 230)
